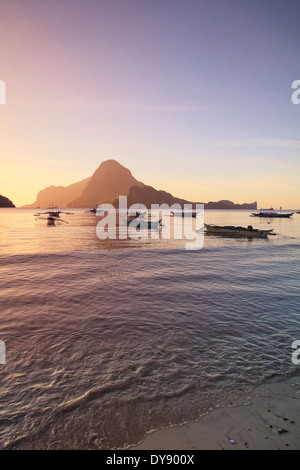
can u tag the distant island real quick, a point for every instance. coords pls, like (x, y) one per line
(148, 195)
(5, 202)
(58, 195)
(111, 180)
(223, 204)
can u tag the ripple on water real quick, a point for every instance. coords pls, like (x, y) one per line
(113, 344)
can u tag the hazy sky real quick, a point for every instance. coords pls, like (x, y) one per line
(193, 96)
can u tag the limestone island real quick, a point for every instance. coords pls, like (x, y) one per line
(5, 202)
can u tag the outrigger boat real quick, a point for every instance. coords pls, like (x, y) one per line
(269, 213)
(184, 214)
(231, 230)
(52, 212)
(53, 220)
(53, 216)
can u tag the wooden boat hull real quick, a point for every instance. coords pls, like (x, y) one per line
(51, 220)
(272, 216)
(183, 214)
(236, 231)
(54, 214)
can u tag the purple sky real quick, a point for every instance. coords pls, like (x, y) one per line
(193, 96)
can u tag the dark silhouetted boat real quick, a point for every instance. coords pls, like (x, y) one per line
(97, 210)
(53, 220)
(184, 214)
(52, 216)
(231, 230)
(270, 213)
(52, 212)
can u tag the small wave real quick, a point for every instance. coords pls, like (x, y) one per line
(90, 395)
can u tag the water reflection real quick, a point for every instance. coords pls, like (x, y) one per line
(21, 233)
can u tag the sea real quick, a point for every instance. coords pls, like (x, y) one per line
(108, 340)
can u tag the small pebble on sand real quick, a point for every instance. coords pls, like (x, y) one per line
(282, 431)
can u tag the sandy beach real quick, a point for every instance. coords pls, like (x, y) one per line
(266, 419)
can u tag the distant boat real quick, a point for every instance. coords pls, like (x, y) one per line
(146, 224)
(269, 213)
(184, 214)
(52, 220)
(232, 230)
(52, 212)
(52, 216)
(97, 210)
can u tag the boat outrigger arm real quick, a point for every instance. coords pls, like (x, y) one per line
(52, 213)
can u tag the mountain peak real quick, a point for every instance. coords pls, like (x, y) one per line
(111, 166)
(110, 163)
(110, 180)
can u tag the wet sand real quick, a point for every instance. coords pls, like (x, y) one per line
(266, 419)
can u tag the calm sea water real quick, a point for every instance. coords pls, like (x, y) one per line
(106, 341)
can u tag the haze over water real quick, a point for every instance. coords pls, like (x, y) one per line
(109, 340)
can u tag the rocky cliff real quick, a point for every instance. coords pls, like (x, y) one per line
(5, 202)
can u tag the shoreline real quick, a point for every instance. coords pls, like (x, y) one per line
(266, 419)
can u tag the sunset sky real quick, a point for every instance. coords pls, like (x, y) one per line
(193, 96)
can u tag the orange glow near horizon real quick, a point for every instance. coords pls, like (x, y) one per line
(24, 182)
(86, 84)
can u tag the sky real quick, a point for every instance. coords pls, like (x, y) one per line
(193, 96)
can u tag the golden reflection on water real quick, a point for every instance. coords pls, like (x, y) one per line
(22, 233)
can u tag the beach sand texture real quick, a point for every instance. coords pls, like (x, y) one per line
(268, 419)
